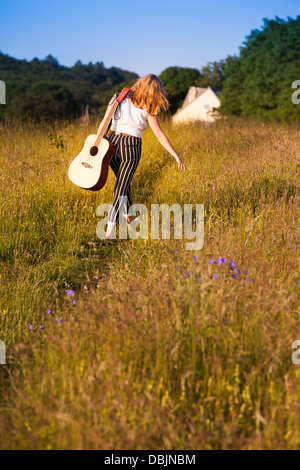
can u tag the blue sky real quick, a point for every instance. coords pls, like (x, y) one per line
(140, 36)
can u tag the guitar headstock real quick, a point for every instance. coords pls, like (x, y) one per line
(123, 94)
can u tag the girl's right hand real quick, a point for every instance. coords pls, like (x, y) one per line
(181, 165)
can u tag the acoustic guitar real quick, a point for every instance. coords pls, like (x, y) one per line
(89, 170)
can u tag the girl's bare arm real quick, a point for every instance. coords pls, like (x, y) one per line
(164, 141)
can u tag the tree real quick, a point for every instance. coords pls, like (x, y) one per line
(44, 100)
(233, 86)
(259, 81)
(51, 61)
(177, 81)
(212, 75)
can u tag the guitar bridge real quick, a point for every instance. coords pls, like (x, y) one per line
(87, 165)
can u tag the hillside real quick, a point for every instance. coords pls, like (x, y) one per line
(46, 88)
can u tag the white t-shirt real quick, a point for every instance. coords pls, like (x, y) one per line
(129, 119)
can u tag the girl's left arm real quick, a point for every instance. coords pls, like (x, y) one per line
(164, 141)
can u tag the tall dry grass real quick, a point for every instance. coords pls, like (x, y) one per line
(161, 350)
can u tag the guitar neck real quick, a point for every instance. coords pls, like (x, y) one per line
(106, 124)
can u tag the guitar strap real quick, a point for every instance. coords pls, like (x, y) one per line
(108, 129)
(117, 94)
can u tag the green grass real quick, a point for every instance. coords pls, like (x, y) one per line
(148, 358)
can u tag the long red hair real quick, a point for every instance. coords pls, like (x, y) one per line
(149, 93)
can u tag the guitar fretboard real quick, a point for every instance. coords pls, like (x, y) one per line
(106, 123)
(118, 100)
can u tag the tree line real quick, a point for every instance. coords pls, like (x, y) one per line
(258, 81)
(45, 89)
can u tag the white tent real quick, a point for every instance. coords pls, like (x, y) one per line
(198, 106)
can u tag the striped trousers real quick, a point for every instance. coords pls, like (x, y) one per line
(124, 163)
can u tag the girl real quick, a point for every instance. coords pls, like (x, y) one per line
(140, 107)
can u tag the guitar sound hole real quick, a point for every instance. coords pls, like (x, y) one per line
(94, 151)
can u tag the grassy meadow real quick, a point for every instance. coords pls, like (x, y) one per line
(159, 348)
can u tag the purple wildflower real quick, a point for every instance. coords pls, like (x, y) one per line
(73, 301)
(198, 279)
(224, 260)
(237, 271)
(30, 327)
(210, 261)
(233, 276)
(41, 327)
(187, 275)
(177, 267)
(195, 258)
(247, 272)
(219, 261)
(232, 264)
(49, 311)
(70, 293)
(216, 276)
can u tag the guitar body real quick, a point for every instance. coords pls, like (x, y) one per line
(88, 171)
(90, 168)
